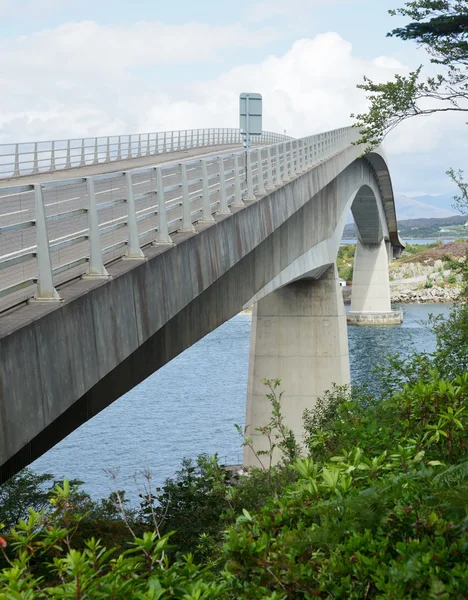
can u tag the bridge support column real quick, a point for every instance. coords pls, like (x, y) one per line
(370, 299)
(299, 335)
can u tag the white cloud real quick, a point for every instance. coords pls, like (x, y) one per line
(87, 46)
(311, 88)
(82, 79)
(79, 79)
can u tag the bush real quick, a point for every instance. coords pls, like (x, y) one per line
(46, 538)
(379, 510)
(428, 284)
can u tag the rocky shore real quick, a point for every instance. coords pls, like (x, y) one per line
(426, 280)
(415, 296)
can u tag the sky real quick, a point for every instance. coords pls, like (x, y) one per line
(75, 68)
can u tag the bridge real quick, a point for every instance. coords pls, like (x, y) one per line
(117, 254)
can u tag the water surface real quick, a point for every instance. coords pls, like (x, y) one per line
(190, 406)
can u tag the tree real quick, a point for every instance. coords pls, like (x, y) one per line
(441, 28)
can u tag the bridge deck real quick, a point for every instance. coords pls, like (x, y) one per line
(116, 165)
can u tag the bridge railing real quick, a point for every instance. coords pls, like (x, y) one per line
(46, 157)
(54, 232)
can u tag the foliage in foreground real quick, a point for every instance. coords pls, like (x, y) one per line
(374, 505)
(375, 508)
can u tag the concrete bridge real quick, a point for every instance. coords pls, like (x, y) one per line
(114, 261)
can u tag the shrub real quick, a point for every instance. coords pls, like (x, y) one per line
(379, 510)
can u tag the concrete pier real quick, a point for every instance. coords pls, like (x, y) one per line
(370, 299)
(298, 335)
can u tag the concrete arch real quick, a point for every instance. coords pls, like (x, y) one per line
(356, 189)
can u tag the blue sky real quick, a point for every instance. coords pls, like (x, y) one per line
(70, 68)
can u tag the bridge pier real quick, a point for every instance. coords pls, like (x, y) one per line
(298, 335)
(370, 299)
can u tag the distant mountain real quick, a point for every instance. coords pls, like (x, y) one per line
(447, 227)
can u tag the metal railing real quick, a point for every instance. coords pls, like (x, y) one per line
(53, 232)
(46, 157)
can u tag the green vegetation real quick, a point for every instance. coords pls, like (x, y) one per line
(374, 504)
(441, 28)
(345, 261)
(376, 507)
(429, 228)
(412, 249)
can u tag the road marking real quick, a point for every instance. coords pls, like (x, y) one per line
(15, 194)
(17, 212)
(63, 201)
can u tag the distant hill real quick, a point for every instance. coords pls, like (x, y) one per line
(448, 227)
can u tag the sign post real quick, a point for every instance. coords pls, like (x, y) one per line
(250, 119)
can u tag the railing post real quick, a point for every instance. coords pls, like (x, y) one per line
(164, 141)
(83, 159)
(148, 146)
(207, 217)
(198, 138)
(96, 156)
(172, 141)
(16, 169)
(285, 177)
(45, 290)
(191, 138)
(278, 181)
(139, 146)
(36, 160)
(300, 158)
(162, 236)
(187, 225)
(134, 251)
(250, 191)
(108, 149)
(299, 169)
(292, 172)
(96, 268)
(261, 191)
(270, 185)
(68, 159)
(119, 148)
(223, 205)
(311, 153)
(238, 203)
(52, 157)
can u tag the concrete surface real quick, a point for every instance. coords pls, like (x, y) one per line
(299, 336)
(370, 297)
(116, 165)
(62, 364)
